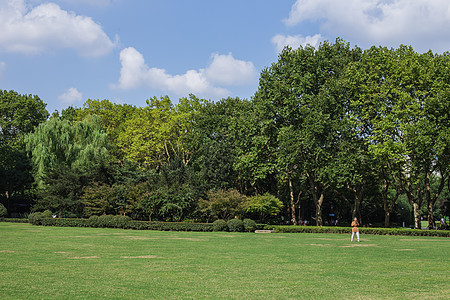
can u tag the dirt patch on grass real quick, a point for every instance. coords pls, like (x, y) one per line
(83, 257)
(322, 245)
(132, 237)
(329, 239)
(61, 252)
(188, 239)
(358, 245)
(140, 256)
(7, 251)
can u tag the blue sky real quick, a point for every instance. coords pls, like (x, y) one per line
(68, 51)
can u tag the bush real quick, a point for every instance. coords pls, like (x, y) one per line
(3, 211)
(35, 218)
(220, 225)
(249, 225)
(93, 221)
(47, 214)
(235, 225)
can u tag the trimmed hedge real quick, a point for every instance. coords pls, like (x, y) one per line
(235, 225)
(108, 221)
(15, 220)
(220, 225)
(363, 230)
(170, 226)
(249, 225)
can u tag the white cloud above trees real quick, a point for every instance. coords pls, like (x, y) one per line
(223, 71)
(71, 96)
(295, 41)
(421, 23)
(47, 27)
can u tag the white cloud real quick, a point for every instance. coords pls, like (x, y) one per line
(295, 41)
(46, 27)
(224, 70)
(71, 96)
(421, 23)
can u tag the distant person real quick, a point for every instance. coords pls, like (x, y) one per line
(355, 229)
(443, 224)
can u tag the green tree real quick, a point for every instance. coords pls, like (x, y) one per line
(300, 97)
(155, 134)
(400, 99)
(263, 206)
(222, 204)
(61, 152)
(19, 115)
(218, 140)
(113, 118)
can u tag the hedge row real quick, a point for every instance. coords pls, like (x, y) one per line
(14, 220)
(234, 225)
(363, 230)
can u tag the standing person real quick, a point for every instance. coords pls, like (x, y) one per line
(355, 229)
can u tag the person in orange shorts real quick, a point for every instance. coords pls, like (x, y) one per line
(355, 229)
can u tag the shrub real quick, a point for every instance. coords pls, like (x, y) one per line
(121, 221)
(93, 221)
(106, 221)
(35, 218)
(47, 214)
(249, 225)
(220, 225)
(3, 211)
(235, 225)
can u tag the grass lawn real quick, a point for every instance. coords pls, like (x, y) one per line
(90, 263)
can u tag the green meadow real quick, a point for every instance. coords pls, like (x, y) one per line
(92, 263)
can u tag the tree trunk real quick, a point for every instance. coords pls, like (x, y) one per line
(387, 215)
(318, 203)
(416, 207)
(431, 200)
(431, 223)
(318, 197)
(291, 194)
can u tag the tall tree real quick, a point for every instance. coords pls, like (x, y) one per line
(400, 98)
(61, 150)
(301, 93)
(19, 115)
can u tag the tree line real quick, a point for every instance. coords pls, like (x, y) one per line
(332, 133)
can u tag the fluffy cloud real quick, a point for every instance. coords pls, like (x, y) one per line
(421, 23)
(295, 41)
(47, 26)
(71, 96)
(224, 70)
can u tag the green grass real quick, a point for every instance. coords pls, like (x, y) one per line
(91, 263)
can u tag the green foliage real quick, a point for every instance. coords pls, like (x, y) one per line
(263, 206)
(47, 214)
(223, 204)
(19, 115)
(81, 146)
(220, 225)
(98, 199)
(235, 225)
(249, 225)
(3, 211)
(35, 218)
